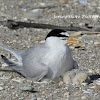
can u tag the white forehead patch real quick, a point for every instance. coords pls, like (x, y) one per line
(64, 33)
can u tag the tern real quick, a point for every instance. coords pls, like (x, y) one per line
(50, 59)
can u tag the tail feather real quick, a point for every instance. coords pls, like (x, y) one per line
(14, 65)
(16, 53)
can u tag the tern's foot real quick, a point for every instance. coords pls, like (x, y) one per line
(44, 81)
(76, 76)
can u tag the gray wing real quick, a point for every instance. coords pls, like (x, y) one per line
(29, 61)
(32, 65)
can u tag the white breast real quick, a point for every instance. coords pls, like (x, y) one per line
(58, 58)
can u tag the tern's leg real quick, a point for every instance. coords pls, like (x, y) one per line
(44, 81)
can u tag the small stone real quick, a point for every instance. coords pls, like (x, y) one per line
(96, 87)
(66, 94)
(76, 93)
(12, 87)
(56, 86)
(63, 1)
(18, 80)
(88, 91)
(67, 88)
(1, 73)
(4, 77)
(24, 6)
(83, 1)
(1, 83)
(14, 18)
(91, 42)
(42, 4)
(4, 65)
(83, 98)
(27, 88)
(34, 98)
(98, 97)
(98, 35)
(25, 19)
(72, 47)
(98, 82)
(36, 13)
(39, 99)
(43, 91)
(91, 71)
(95, 18)
(1, 88)
(84, 84)
(61, 83)
(97, 43)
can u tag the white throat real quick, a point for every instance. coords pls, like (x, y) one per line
(55, 42)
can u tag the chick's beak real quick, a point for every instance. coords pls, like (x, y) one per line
(70, 40)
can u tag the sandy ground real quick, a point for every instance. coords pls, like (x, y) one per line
(88, 60)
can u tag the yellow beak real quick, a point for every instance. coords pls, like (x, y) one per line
(70, 40)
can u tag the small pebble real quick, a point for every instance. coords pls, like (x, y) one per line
(27, 88)
(98, 82)
(72, 47)
(66, 94)
(83, 1)
(63, 1)
(97, 43)
(56, 86)
(43, 91)
(83, 98)
(34, 98)
(91, 71)
(17, 80)
(76, 93)
(96, 87)
(98, 97)
(88, 91)
(4, 65)
(84, 84)
(39, 99)
(36, 13)
(61, 83)
(1, 88)
(42, 4)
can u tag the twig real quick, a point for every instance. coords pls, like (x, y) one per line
(82, 32)
(87, 32)
(16, 25)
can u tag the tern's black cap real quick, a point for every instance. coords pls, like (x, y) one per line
(56, 33)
